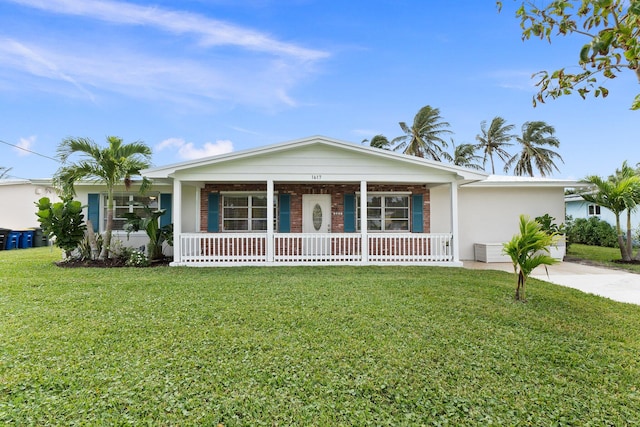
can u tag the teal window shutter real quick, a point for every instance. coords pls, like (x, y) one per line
(214, 213)
(417, 224)
(349, 213)
(285, 213)
(165, 203)
(93, 211)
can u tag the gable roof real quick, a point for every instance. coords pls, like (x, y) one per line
(317, 156)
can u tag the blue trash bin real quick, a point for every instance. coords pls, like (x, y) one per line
(13, 240)
(26, 239)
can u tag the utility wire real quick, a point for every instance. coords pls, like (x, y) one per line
(29, 151)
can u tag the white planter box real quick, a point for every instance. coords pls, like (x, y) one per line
(490, 252)
(558, 252)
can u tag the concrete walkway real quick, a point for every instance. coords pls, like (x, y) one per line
(614, 284)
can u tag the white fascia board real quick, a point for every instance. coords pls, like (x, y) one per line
(518, 181)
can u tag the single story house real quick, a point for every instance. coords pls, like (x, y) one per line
(577, 207)
(300, 203)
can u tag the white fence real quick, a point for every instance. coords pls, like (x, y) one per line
(205, 249)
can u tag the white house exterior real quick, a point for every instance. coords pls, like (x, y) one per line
(489, 212)
(18, 209)
(419, 212)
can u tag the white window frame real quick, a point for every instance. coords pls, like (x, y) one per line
(383, 224)
(130, 206)
(250, 195)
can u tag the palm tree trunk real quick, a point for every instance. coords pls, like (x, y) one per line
(629, 241)
(106, 241)
(623, 247)
(520, 287)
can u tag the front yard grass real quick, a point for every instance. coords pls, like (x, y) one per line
(599, 255)
(307, 346)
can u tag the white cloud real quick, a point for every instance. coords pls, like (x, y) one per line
(211, 32)
(19, 55)
(253, 69)
(24, 145)
(188, 150)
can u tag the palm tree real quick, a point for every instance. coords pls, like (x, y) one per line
(424, 137)
(616, 194)
(112, 165)
(528, 250)
(378, 141)
(4, 172)
(465, 155)
(494, 139)
(625, 172)
(535, 136)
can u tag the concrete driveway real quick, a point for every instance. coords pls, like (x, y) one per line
(614, 284)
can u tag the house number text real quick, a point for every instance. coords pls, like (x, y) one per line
(316, 177)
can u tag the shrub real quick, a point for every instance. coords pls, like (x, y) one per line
(592, 231)
(62, 221)
(549, 226)
(137, 259)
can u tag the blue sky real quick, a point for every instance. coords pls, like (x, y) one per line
(194, 78)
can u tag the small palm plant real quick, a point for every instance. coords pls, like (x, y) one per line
(149, 223)
(528, 250)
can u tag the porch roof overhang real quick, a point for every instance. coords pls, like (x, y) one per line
(315, 159)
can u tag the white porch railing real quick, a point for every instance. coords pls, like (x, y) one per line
(395, 248)
(222, 248)
(202, 249)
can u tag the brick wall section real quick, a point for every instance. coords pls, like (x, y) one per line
(296, 191)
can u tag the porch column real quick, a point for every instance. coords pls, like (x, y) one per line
(363, 221)
(177, 220)
(454, 222)
(270, 220)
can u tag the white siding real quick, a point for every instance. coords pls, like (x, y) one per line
(317, 163)
(491, 214)
(17, 204)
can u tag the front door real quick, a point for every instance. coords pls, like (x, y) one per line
(316, 219)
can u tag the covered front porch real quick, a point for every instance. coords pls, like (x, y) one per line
(313, 224)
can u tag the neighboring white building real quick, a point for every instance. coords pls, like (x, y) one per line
(18, 198)
(577, 207)
(299, 202)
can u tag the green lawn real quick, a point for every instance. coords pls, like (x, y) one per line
(600, 255)
(307, 346)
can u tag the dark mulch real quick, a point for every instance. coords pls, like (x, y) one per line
(107, 263)
(632, 262)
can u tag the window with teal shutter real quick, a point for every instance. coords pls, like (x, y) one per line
(214, 213)
(349, 213)
(93, 210)
(165, 203)
(285, 213)
(417, 223)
